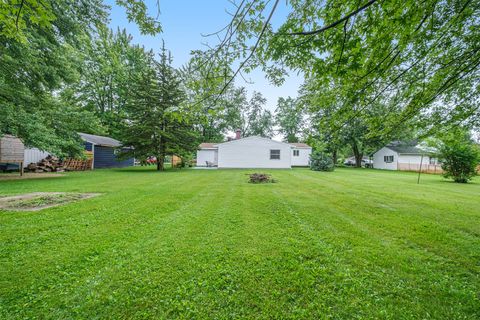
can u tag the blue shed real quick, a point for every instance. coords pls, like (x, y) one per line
(104, 151)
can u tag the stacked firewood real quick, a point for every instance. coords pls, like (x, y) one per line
(49, 164)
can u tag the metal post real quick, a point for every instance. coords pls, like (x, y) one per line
(420, 171)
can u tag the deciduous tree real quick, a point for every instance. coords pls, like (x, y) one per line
(289, 119)
(460, 157)
(418, 61)
(42, 46)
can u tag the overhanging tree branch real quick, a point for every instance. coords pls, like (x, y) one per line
(244, 62)
(18, 13)
(332, 25)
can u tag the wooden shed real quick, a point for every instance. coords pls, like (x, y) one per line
(12, 150)
(103, 151)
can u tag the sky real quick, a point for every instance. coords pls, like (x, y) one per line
(184, 22)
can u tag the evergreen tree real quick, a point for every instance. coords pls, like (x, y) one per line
(158, 121)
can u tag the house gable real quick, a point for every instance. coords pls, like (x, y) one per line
(379, 157)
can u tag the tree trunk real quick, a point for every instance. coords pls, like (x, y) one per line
(161, 154)
(160, 162)
(357, 154)
(334, 156)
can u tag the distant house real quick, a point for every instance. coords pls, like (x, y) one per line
(104, 151)
(405, 157)
(351, 161)
(253, 152)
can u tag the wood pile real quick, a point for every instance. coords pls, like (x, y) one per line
(49, 164)
(78, 165)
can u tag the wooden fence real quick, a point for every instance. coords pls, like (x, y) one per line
(426, 168)
(80, 164)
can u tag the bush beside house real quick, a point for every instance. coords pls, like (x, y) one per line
(321, 162)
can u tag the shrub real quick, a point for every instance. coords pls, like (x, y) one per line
(261, 178)
(459, 159)
(321, 162)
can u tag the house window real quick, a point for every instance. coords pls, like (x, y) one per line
(296, 153)
(274, 154)
(433, 161)
(388, 159)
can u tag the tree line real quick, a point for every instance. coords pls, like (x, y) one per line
(65, 71)
(374, 72)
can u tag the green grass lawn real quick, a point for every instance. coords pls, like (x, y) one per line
(205, 244)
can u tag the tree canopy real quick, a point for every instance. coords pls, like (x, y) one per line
(374, 71)
(46, 70)
(385, 66)
(289, 119)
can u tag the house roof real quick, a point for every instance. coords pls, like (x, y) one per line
(405, 149)
(207, 145)
(300, 145)
(255, 137)
(100, 140)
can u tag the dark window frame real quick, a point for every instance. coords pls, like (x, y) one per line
(296, 153)
(388, 159)
(274, 153)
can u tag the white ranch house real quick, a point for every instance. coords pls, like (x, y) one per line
(404, 158)
(253, 152)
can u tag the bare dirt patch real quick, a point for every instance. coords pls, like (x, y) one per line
(16, 176)
(41, 200)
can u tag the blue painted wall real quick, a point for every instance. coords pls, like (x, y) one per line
(104, 157)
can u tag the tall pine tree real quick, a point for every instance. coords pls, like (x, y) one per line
(158, 121)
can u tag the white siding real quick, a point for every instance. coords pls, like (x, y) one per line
(413, 159)
(379, 162)
(206, 155)
(34, 155)
(303, 157)
(253, 152)
(411, 162)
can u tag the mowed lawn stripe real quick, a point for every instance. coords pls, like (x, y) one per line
(149, 262)
(207, 244)
(360, 228)
(113, 227)
(412, 230)
(419, 215)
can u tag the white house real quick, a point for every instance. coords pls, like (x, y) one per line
(396, 156)
(253, 152)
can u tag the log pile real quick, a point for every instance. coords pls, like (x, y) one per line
(49, 164)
